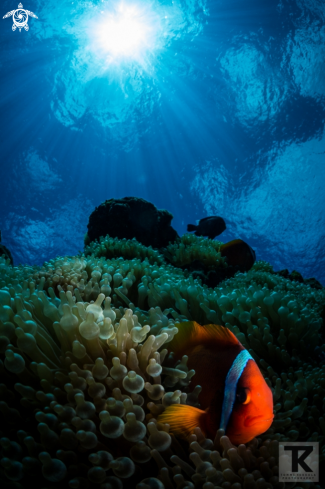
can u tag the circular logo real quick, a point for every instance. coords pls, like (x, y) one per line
(20, 18)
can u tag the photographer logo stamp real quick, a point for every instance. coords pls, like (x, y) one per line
(20, 18)
(299, 462)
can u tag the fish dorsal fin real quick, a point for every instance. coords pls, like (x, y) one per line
(191, 334)
(206, 218)
(231, 243)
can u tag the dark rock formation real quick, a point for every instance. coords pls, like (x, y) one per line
(313, 283)
(296, 276)
(131, 217)
(4, 251)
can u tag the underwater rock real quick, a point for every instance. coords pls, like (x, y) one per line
(296, 276)
(313, 283)
(4, 251)
(283, 273)
(131, 217)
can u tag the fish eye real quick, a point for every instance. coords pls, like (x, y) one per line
(243, 395)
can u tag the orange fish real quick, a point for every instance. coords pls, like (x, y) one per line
(238, 253)
(234, 397)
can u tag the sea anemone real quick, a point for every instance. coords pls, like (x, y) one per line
(85, 372)
(123, 248)
(190, 248)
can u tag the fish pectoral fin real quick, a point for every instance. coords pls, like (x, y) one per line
(183, 419)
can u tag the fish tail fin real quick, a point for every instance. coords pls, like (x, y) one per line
(191, 227)
(183, 419)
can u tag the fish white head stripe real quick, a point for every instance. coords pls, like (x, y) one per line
(232, 378)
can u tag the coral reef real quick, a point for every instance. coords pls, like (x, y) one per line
(85, 372)
(131, 217)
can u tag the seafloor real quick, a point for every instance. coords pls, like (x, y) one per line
(83, 382)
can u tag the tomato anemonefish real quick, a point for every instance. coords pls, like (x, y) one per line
(235, 396)
(238, 254)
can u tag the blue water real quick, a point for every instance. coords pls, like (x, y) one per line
(220, 112)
